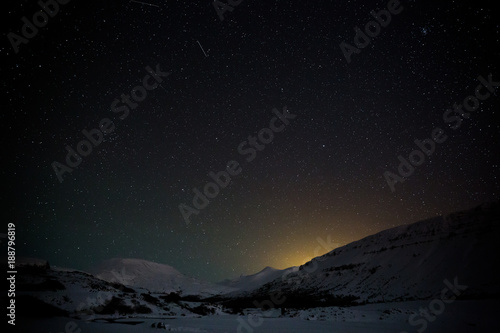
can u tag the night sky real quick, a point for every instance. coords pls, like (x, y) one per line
(322, 175)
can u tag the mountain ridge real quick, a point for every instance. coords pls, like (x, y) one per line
(406, 262)
(154, 277)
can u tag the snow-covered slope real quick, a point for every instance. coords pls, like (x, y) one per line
(408, 262)
(404, 263)
(44, 292)
(254, 281)
(154, 277)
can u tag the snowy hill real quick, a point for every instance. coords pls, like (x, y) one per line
(254, 281)
(408, 262)
(44, 292)
(154, 277)
(405, 263)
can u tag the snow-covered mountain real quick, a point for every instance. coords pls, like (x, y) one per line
(408, 262)
(154, 277)
(254, 281)
(42, 291)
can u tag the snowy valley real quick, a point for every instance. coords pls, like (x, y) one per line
(437, 275)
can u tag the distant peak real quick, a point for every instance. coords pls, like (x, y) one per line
(268, 268)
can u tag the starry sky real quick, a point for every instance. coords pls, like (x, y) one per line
(322, 176)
